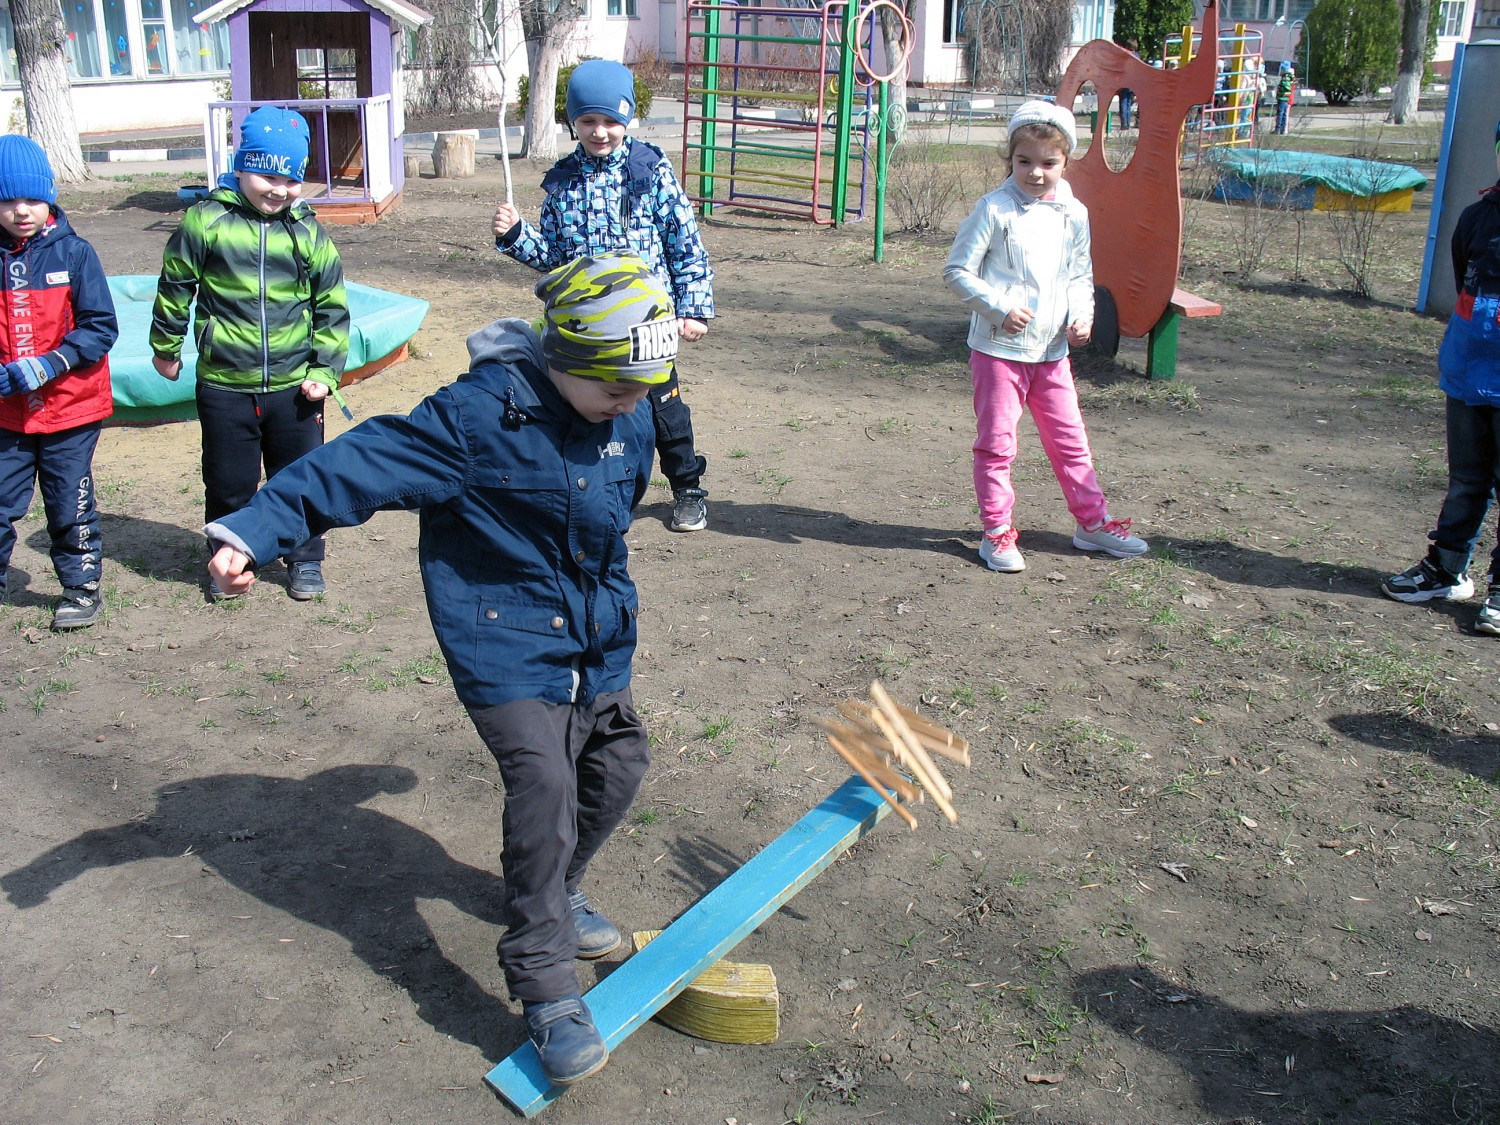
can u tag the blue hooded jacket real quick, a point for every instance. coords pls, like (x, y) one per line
(523, 506)
(1469, 359)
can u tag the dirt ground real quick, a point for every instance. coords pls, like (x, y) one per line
(1227, 852)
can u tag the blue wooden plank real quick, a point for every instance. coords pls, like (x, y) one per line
(719, 921)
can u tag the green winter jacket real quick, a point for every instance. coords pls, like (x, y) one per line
(271, 307)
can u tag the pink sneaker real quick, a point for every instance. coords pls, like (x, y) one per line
(999, 552)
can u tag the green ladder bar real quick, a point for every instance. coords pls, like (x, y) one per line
(646, 983)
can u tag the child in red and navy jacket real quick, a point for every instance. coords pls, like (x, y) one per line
(57, 324)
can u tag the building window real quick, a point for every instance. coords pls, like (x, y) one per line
(1451, 17)
(9, 70)
(622, 8)
(196, 47)
(953, 20)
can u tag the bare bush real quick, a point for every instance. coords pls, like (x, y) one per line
(924, 184)
(1359, 223)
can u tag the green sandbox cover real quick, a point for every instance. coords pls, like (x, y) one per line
(1337, 173)
(382, 322)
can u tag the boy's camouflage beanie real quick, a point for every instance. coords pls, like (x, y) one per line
(608, 318)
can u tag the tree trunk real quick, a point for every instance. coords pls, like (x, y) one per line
(893, 32)
(44, 86)
(1415, 14)
(541, 127)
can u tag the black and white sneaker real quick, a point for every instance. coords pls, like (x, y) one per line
(1428, 581)
(1488, 620)
(690, 511)
(76, 609)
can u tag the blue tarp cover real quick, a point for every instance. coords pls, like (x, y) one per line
(1337, 173)
(382, 322)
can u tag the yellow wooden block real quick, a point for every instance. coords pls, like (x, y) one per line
(727, 1003)
(1326, 199)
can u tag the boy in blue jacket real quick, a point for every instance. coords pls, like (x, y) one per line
(615, 194)
(524, 474)
(1469, 370)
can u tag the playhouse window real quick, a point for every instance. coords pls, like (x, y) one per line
(622, 8)
(326, 73)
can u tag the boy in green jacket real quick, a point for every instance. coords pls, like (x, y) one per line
(271, 322)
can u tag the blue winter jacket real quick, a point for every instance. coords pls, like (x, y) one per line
(523, 506)
(628, 202)
(1469, 359)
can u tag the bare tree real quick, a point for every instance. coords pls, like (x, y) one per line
(547, 25)
(1414, 17)
(44, 86)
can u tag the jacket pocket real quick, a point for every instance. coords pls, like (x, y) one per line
(205, 338)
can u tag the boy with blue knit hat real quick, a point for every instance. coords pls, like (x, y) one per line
(1469, 377)
(525, 474)
(57, 325)
(617, 195)
(272, 322)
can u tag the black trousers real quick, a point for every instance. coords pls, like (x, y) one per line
(680, 462)
(242, 431)
(570, 773)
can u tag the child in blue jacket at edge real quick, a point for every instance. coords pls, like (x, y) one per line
(617, 195)
(524, 473)
(1469, 375)
(57, 324)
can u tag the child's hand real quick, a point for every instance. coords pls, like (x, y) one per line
(167, 368)
(690, 329)
(506, 216)
(231, 570)
(1016, 320)
(314, 391)
(1079, 332)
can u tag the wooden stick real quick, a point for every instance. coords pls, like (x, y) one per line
(860, 769)
(933, 737)
(938, 739)
(910, 761)
(878, 766)
(903, 732)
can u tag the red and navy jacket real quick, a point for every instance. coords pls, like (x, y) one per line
(57, 306)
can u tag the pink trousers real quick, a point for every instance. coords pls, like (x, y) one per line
(1002, 389)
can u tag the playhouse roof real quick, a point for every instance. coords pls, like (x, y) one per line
(407, 14)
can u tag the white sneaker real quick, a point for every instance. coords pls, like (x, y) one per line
(998, 551)
(1112, 537)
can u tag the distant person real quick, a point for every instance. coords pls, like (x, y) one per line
(525, 473)
(1286, 93)
(271, 321)
(57, 324)
(615, 194)
(1469, 375)
(1021, 264)
(1127, 96)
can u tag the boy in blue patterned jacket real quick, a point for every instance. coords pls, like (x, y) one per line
(615, 194)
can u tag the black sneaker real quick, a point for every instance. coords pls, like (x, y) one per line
(306, 580)
(1488, 620)
(1427, 581)
(76, 609)
(690, 512)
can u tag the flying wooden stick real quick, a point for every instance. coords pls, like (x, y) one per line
(882, 737)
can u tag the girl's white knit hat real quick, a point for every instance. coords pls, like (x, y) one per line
(1048, 113)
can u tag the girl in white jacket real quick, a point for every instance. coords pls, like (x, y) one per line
(1021, 264)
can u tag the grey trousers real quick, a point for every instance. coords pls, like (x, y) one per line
(570, 773)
